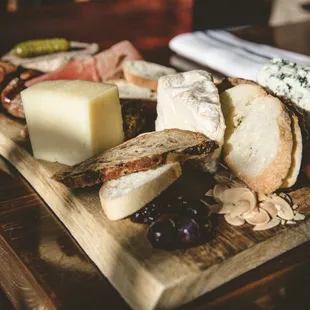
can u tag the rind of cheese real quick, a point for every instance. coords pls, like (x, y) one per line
(190, 101)
(287, 79)
(70, 121)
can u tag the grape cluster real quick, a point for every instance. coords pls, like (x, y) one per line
(176, 224)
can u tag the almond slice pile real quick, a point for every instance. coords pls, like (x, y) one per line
(240, 205)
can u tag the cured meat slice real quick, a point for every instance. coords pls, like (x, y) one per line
(109, 62)
(75, 69)
(103, 66)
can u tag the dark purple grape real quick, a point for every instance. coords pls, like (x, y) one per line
(163, 234)
(197, 210)
(147, 215)
(189, 231)
(174, 206)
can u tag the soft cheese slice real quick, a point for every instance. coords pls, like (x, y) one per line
(70, 121)
(290, 80)
(128, 194)
(190, 101)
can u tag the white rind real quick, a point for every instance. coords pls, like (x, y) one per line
(190, 101)
(292, 176)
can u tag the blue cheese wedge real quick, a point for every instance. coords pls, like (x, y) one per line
(70, 121)
(190, 101)
(287, 79)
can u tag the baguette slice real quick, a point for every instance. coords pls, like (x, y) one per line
(128, 194)
(230, 82)
(147, 151)
(145, 74)
(128, 90)
(258, 139)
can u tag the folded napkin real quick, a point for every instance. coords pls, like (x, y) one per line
(228, 54)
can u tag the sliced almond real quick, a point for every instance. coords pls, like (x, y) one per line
(298, 217)
(262, 196)
(237, 183)
(284, 209)
(214, 208)
(286, 197)
(234, 220)
(232, 195)
(291, 222)
(226, 208)
(209, 193)
(240, 207)
(257, 217)
(273, 223)
(251, 198)
(218, 192)
(269, 207)
(223, 177)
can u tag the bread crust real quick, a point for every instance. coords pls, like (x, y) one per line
(293, 173)
(273, 175)
(230, 82)
(107, 166)
(140, 80)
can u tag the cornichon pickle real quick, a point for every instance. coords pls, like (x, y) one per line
(40, 47)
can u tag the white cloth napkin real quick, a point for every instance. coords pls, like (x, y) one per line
(228, 54)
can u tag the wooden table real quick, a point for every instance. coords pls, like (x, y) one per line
(40, 263)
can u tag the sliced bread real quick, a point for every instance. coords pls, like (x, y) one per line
(230, 82)
(145, 74)
(128, 194)
(142, 153)
(128, 90)
(258, 139)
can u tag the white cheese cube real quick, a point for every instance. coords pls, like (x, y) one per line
(70, 121)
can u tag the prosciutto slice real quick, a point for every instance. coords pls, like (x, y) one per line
(101, 67)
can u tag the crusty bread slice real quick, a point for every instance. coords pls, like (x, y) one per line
(145, 74)
(238, 97)
(128, 194)
(230, 82)
(147, 151)
(258, 139)
(128, 90)
(293, 173)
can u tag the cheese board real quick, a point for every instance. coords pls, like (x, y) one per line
(146, 277)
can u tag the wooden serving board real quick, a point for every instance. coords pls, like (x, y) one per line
(148, 278)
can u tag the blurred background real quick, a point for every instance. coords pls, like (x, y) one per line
(206, 13)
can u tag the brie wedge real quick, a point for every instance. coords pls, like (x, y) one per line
(190, 101)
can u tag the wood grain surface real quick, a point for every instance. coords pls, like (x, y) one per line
(41, 243)
(147, 278)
